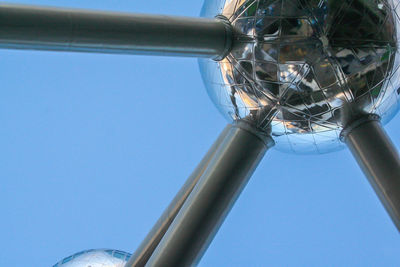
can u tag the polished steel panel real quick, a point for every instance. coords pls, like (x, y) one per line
(95, 258)
(301, 68)
(227, 172)
(153, 238)
(43, 28)
(379, 159)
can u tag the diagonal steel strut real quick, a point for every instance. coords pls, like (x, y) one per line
(153, 238)
(379, 160)
(215, 185)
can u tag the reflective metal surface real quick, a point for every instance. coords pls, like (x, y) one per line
(95, 258)
(303, 69)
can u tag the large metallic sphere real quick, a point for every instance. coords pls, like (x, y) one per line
(95, 258)
(301, 69)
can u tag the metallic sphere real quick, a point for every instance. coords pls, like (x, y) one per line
(95, 258)
(302, 69)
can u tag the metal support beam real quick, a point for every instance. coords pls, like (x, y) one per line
(142, 254)
(379, 159)
(44, 28)
(237, 153)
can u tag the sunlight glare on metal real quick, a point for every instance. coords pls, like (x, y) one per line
(308, 67)
(95, 258)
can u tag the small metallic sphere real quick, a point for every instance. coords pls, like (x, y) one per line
(301, 70)
(96, 258)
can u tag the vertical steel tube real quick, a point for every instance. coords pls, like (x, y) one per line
(149, 244)
(45, 28)
(227, 172)
(379, 159)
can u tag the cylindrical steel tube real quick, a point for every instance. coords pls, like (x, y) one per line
(379, 159)
(43, 28)
(203, 212)
(149, 244)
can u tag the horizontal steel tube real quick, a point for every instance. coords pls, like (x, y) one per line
(149, 244)
(380, 161)
(43, 28)
(197, 222)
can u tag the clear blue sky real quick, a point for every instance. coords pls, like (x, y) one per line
(93, 148)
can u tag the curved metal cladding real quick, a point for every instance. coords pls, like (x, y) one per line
(95, 258)
(301, 70)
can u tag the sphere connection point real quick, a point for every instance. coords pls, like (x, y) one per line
(303, 70)
(95, 258)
